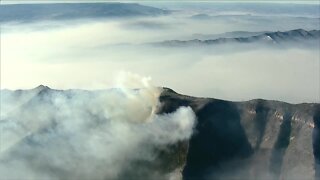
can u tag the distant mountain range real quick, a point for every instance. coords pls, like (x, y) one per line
(256, 139)
(247, 16)
(232, 34)
(297, 35)
(62, 11)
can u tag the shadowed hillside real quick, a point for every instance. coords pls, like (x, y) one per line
(257, 139)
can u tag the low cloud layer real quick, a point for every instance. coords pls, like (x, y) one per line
(86, 54)
(109, 132)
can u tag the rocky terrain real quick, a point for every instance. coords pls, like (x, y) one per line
(256, 139)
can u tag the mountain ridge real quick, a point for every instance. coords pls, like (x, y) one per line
(246, 139)
(276, 37)
(65, 11)
(250, 139)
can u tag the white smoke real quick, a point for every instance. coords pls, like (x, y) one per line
(89, 135)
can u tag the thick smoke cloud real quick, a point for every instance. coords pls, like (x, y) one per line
(78, 134)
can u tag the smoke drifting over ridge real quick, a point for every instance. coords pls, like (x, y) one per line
(85, 135)
(117, 133)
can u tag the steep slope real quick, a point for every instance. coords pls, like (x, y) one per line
(257, 139)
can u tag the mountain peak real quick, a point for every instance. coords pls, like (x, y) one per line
(41, 87)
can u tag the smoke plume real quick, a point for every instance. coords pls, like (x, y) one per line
(89, 135)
